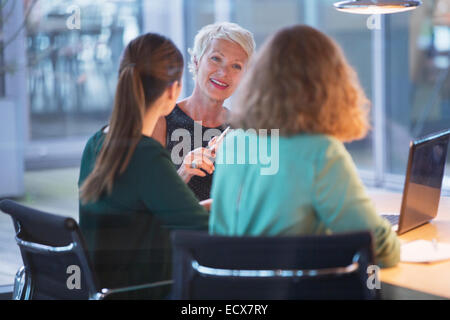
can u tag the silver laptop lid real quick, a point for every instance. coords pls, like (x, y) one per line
(423, 181)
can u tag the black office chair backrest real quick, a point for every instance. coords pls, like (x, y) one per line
(305, 267)
(53, 253)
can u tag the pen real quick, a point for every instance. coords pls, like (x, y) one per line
(219, 139)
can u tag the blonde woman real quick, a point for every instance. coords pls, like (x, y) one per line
(301, 84)
(218, 61)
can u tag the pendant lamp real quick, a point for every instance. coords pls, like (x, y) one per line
(376, 6)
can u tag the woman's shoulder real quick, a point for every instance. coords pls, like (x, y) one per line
(305, 146)
(177, 114)
(180, 118)
(98, 134)
(311, 148)
(324, 150)
(95, 141)
(149, 150)
(318, 142)
(90, 152)
(150, 145)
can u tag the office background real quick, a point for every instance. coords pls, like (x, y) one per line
(57, 84)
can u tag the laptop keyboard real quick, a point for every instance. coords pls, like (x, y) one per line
(392, 218)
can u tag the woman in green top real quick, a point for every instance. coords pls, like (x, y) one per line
(300, 85)
(130, 193)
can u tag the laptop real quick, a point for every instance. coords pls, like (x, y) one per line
(423, 182)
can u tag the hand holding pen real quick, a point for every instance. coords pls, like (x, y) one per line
(201, 159)
(213, 145)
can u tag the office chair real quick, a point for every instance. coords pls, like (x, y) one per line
(53, 251)
(304, 267)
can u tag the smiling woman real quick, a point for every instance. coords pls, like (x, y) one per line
(219, 70)
(218, 61)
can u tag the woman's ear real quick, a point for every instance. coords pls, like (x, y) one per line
(196, 64)
(174, 90)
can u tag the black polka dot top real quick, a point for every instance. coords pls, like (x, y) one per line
(180, 127)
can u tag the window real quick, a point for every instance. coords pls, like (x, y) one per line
(68, 68)
(196, 15)
(417, 79)
(72, 72)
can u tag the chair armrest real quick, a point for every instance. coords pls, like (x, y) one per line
(107, 292)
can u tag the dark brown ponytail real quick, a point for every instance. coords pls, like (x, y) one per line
(150, 63)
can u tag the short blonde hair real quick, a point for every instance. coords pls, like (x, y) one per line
(300, 82)
(220, 30)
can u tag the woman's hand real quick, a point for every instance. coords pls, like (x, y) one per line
(197, 159)
(212, 145)
(206, 204)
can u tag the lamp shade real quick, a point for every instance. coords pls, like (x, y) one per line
(376, 6)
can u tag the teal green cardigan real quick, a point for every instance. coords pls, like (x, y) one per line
(308, 185)
(127, 232)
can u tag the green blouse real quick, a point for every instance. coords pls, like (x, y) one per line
(127, 232)
(308, 185)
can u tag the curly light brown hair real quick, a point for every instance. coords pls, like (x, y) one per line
(300, 82)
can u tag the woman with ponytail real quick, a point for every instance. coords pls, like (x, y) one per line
(130, 193)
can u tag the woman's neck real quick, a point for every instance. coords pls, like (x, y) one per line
(149, 124)
(151, 118)
(201, 108)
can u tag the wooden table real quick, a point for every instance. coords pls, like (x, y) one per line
(430, 278)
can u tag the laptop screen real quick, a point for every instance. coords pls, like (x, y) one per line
(428, 163)
(424, 181)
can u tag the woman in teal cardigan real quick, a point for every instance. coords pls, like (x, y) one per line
(301, 87)
(130, 193)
